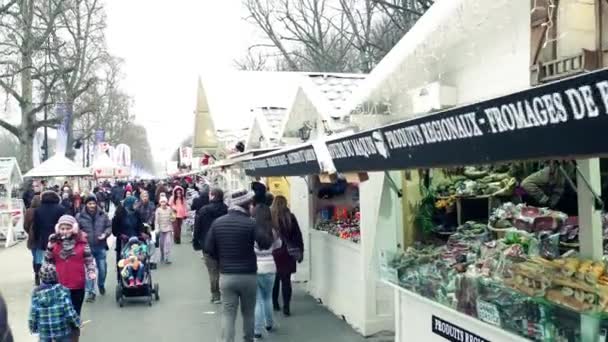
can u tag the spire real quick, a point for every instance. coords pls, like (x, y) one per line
(205, 139)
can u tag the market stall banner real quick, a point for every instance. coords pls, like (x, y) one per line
(295, 162)
(453, 332)
(564, 119)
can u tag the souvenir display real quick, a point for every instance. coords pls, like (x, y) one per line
(346, 228)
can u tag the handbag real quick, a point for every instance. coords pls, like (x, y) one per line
(294, 251)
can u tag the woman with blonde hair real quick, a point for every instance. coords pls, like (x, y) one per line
(291, 251)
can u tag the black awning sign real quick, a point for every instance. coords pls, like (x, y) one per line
(566, 118)
(453, 332)
(289, 163)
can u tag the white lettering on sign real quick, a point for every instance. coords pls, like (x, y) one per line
(284, 159)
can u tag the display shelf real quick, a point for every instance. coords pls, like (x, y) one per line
(420, 319)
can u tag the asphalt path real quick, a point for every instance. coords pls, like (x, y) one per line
(183, 312)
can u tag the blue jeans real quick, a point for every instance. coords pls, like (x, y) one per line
(99, 253)
(58, 339)
(38, 255)
(263, 302)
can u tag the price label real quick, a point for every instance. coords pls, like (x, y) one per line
(488, 312)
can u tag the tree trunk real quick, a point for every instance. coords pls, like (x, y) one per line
(26, 140)
(69, 148)
(26, 136)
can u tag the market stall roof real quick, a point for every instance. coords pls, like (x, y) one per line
(244, 156)
(442, 43)
(563, 119)
(57, 166)
(10, 171)
(265, 127)
(320, 98)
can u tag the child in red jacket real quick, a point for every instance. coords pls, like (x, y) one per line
(69, 250)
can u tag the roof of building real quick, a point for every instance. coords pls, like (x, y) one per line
(335, 89)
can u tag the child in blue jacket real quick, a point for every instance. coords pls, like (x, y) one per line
(52, 315)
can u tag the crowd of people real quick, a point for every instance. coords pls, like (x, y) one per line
(250, 244)
(68, 233)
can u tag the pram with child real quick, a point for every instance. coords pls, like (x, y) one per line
(133, 272)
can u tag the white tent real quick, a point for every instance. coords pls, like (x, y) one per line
(58, 166)
(104, 167)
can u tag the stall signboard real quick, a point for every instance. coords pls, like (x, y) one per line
(563, 119)
(292, 162)
(452, 332)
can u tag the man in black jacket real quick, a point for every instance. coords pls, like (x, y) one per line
(204, 218)
(230, 241)
(45, 219)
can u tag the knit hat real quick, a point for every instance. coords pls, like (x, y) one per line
(129, 202)
(69, 220)
(90, 199)
(241, 197)
(48, 273)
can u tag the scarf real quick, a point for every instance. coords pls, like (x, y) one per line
(67, 247)
(239, 208)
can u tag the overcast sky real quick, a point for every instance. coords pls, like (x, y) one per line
(166, 45)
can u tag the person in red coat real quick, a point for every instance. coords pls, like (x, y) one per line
(69, 250)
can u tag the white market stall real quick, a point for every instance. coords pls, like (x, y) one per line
(59, 166)
(11, 209)
(339, 263)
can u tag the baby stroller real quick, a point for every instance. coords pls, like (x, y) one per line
(148, 289)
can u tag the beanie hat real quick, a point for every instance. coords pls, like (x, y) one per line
(69, 220)
(129, 202)
(48, 273)
(90, 199)
(241, 198)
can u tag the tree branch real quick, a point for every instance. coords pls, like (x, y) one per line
(14, 130)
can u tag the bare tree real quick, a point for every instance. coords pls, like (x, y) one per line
(136, 137)
(78, 44)
(25, 26)
(404, 13)
(253, 61)
(105, 106)
(333, 35)
(306, 33)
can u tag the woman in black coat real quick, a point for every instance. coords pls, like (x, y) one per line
(285, 257)
(45, 219)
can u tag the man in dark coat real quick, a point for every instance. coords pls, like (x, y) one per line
(5, 330)
(117, 194)
(95, 222)
(230, 241)
(202, 222)
(45, 219)
(201, 201)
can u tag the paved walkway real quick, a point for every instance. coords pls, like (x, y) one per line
(182, 314)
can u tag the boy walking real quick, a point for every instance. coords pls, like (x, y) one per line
(52, 315)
